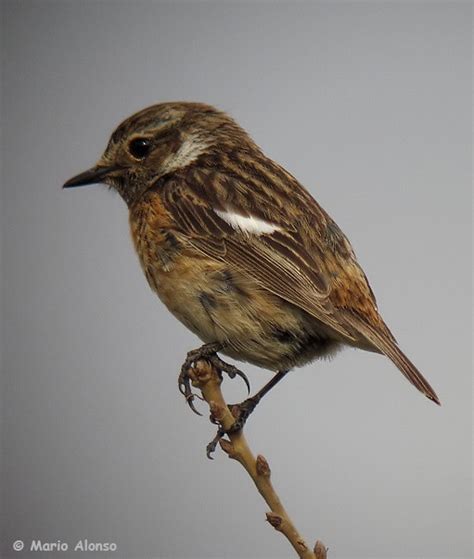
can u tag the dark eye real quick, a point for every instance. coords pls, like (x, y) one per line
(139, 147)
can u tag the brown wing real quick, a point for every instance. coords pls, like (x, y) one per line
(307, 261)
(285, 262)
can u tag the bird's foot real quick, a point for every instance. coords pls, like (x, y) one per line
(241, 412)
(207, 352)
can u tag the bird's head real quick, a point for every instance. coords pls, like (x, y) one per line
(159, 140)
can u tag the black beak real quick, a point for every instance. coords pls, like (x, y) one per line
(91, 176)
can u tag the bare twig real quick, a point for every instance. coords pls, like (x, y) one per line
(208, 380)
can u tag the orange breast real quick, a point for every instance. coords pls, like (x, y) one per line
(150, 226)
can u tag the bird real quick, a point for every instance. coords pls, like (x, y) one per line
(238, 249)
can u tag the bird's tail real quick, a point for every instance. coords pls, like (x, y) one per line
(383, 340)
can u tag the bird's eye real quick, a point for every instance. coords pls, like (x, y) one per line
(139, 147)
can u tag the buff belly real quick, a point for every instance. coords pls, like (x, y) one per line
(221, 304)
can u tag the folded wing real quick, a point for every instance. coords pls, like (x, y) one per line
(297, 253)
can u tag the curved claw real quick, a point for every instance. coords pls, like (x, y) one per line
(230, 370)
(190, 401)
(211, 447)
(244, 377)
(208, 352)
(184, 386)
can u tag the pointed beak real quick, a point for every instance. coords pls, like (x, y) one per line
(92, 176)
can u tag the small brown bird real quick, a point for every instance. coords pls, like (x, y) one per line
(237, 249)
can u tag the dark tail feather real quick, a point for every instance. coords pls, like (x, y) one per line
(393, 352)
(387, 345)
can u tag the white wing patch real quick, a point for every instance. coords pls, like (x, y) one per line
(251, 225)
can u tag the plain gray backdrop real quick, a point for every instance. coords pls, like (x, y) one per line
(368, 104)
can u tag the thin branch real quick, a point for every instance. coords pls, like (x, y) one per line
(208, 380)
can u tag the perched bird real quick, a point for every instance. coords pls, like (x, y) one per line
(237, 249)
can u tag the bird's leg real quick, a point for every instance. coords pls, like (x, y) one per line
(208, 352)
(243, 410)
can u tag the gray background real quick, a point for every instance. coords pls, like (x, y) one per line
(368, 104)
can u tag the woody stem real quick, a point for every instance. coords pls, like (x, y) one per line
(208, 379)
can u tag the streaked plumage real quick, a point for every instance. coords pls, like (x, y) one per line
(237, 248)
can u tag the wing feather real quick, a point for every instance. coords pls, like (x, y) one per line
(278, 261)
(314, 270)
